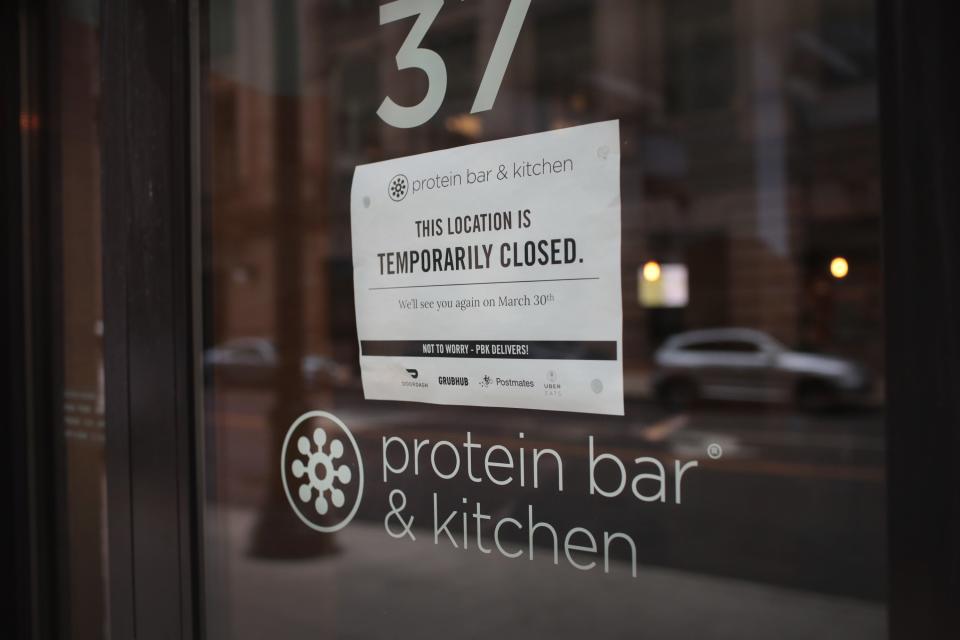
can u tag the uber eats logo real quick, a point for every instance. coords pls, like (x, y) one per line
(322, 471)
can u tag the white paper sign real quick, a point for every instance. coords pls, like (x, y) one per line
(489, 274)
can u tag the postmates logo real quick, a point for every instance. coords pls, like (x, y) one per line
(322, 471)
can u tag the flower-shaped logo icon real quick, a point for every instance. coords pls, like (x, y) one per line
(321, 460)
(399, 185)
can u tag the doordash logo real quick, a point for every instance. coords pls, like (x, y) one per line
(325, 473)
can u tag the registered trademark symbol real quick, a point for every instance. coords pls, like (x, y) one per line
(715, 451)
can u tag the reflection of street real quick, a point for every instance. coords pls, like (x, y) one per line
(793, 499)
(419, 591)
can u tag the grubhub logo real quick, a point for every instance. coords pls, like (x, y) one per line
(398, 187)
(321, 462)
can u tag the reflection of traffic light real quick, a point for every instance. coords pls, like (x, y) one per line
(663, 285)
(839, 267)
(651, 271)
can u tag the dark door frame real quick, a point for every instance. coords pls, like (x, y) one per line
(921, 199)
(150, 136)
(32, 492)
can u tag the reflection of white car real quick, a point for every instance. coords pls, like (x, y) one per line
(254, 360)
(749, 365)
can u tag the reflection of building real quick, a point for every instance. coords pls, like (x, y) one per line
(750, 151)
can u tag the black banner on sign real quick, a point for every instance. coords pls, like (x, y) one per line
(500, 349)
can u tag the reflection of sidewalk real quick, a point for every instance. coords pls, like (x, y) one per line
(377, 587)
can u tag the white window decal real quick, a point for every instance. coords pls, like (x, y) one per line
(412, 56)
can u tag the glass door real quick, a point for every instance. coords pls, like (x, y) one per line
(543, 319)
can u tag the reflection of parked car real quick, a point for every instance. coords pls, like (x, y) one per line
(749, 365)
(254, 360)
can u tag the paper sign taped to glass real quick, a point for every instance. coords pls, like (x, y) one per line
(489, 274)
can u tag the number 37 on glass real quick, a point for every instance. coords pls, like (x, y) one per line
(412, 56)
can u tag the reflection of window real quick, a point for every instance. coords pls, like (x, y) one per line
(700, 54)
(565, 44)
(846, 46)
(226, 176)
(357, 103)
(458, 48)
(724, 346)
(454, 124)
(248, 355)
(221, 28)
